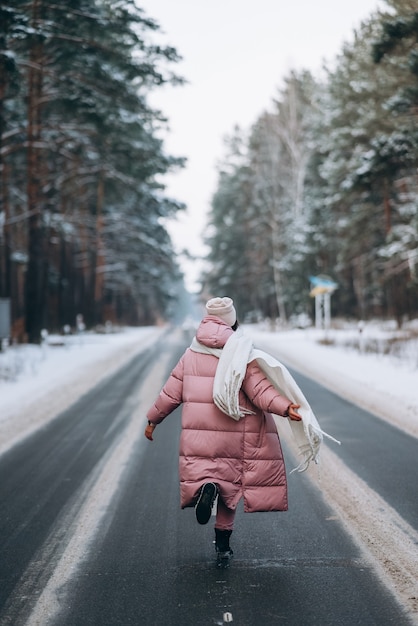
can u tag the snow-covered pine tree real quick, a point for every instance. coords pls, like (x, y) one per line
(90, 141)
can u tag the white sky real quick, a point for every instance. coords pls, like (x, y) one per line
(235, 55)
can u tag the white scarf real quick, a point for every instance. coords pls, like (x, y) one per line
(233, 359)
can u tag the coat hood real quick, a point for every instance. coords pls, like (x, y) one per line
(213, 332)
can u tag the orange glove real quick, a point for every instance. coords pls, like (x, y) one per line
(292, 412)
(149, 430)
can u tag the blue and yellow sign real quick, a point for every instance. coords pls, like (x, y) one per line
(321, 284)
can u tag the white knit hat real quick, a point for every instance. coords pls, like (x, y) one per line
(223, 308)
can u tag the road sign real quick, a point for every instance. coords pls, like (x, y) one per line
(323, 287)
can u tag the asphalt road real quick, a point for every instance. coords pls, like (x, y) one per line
(381, 454)
(146, 562)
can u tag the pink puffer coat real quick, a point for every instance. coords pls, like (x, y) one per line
(243, 457)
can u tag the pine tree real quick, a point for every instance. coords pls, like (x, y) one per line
(91, 138)
(229, 265)
(12, 25)
(396, 49)
(363, 158)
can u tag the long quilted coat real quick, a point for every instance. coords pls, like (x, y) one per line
(243, 457)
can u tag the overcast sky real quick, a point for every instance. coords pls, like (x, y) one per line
(235, 56)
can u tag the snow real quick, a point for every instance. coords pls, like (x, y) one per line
(38, 382)
(359, 363)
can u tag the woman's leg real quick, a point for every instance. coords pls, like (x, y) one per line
(224, 517)
(223, 530)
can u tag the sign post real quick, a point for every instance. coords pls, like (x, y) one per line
(321, 289)
(5, 322)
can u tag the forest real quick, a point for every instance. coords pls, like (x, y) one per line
(323, 184)
(82, 205)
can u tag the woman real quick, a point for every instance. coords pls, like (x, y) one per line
(229, 445)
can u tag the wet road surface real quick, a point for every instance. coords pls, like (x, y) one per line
(147, 562)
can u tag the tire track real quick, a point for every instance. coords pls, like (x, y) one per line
(49, 477)
(94, 513)
(387, 541)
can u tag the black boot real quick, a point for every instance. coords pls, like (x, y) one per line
(205, 502)
(223, 550)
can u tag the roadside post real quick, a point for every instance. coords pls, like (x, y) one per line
(5, 327)
(322, 287)
(44, 342)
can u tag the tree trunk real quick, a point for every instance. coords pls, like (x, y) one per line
(278, 288)
(4, 236)
(5, 243)
(35, 275)
(386, 204)
(98, 285)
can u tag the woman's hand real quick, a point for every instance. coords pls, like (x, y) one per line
(149, 430)
(293, 413)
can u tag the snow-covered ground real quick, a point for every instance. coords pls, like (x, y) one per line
(38, 382)
(374, 368)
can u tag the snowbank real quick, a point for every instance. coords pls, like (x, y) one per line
(383, 384)
(38, 382)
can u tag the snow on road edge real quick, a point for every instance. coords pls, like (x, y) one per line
(390, 544)
(387, 389)
(41, 400)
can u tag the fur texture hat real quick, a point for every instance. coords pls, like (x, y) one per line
(223, 308)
